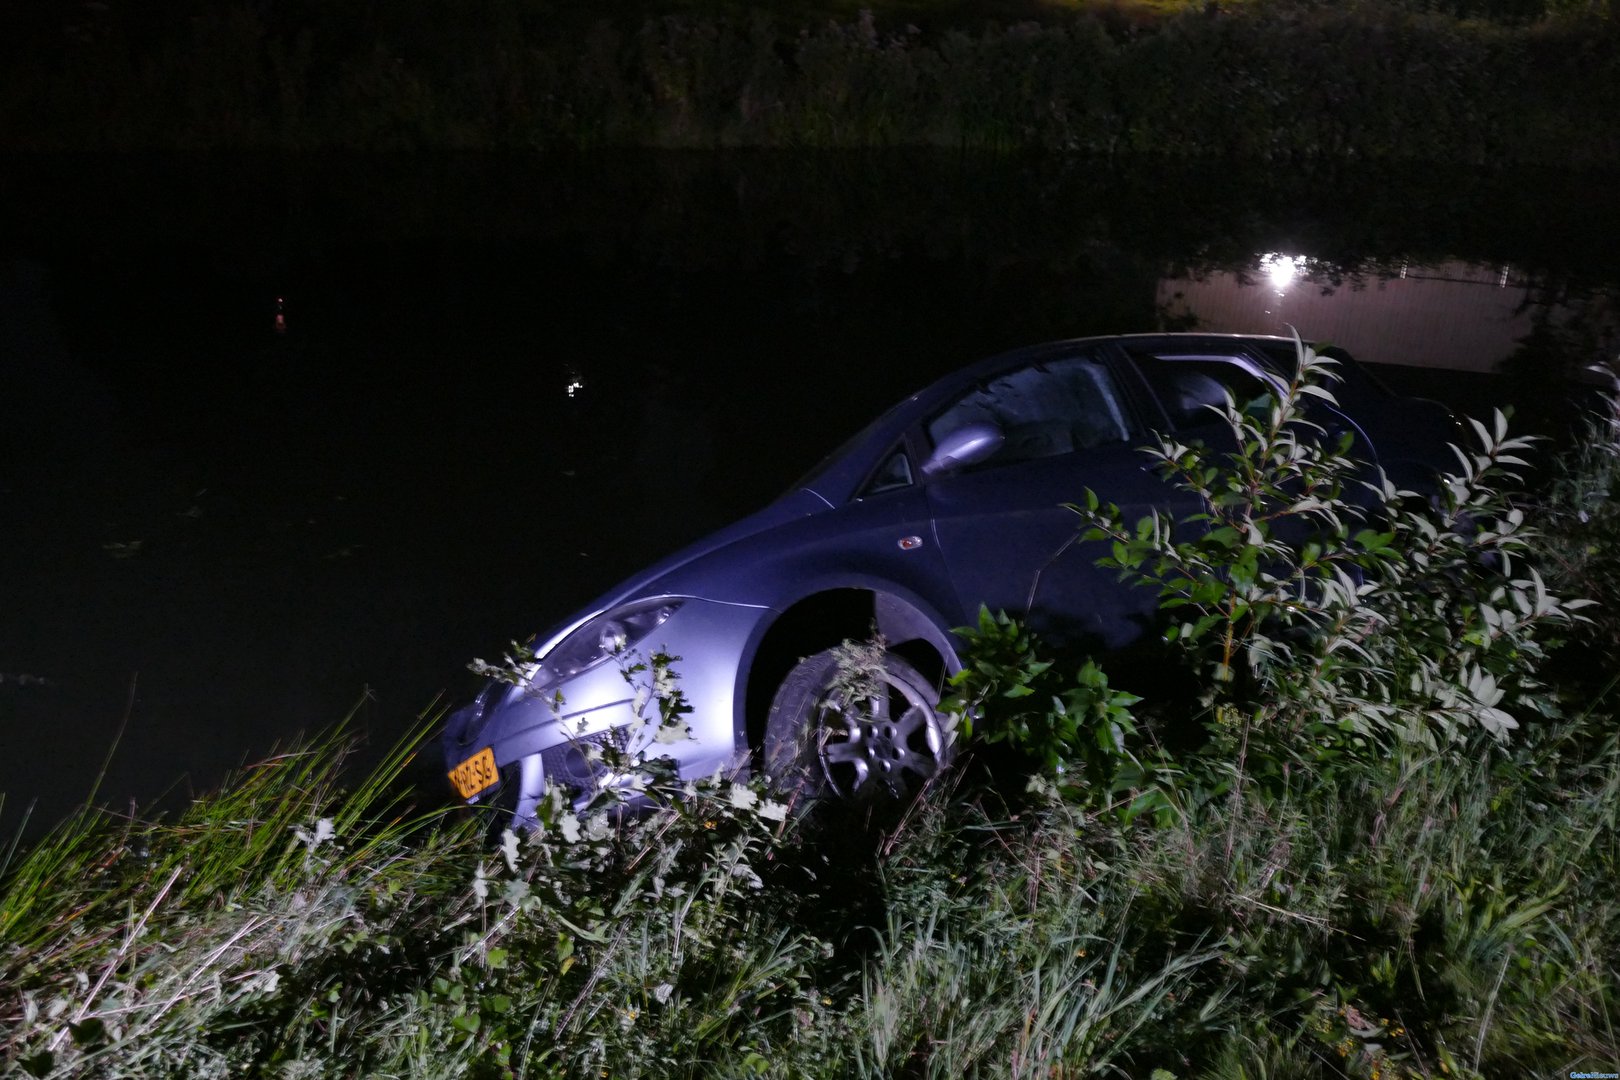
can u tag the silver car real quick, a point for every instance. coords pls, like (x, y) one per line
(951, 499)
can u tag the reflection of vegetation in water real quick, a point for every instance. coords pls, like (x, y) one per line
(1571, 358)
(1575, 323)
(1570, 352)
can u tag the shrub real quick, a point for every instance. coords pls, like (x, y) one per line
(1331, 611)
(1073, 726)
(1582, 548)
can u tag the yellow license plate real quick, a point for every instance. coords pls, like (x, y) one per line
(475, 774)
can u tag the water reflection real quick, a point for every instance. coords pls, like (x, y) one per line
(1281, 269)
(1455, 315)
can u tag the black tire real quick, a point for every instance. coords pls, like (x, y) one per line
(884, 752)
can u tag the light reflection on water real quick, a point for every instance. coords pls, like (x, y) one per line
(1454, 315)
(1282, 269)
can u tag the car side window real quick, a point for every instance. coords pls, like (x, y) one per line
(1188, 387)
(1046, 409)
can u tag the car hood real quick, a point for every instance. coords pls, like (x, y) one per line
(797, 504)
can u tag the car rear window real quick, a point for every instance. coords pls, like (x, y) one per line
(1189, 387)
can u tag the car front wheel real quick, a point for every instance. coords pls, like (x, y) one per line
(861, 737)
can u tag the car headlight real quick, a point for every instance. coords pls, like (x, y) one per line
(604, 637)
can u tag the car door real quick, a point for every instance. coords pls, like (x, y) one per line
(877, 538)
(1007, 539)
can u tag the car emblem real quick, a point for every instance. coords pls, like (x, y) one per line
(910, 543)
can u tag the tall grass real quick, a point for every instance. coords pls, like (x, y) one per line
(120, 934)
(1419, 917)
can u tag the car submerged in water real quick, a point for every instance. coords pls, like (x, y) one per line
(952, 499)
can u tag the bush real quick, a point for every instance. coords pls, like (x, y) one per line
(1332, 612)
(1582, 549)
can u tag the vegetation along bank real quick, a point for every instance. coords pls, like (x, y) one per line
(1260, 80)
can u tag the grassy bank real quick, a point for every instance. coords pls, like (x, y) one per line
(1388, 850)
(1432, 916)
(1262, 81)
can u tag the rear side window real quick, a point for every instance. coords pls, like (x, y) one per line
(1043, 410)
(1187, 388)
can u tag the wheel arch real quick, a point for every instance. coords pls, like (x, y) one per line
(824, 617)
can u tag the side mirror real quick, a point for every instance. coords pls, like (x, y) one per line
(967, 445)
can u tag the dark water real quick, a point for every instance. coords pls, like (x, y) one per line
(281, 434)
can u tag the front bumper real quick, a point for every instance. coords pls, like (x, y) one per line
(544, 730)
